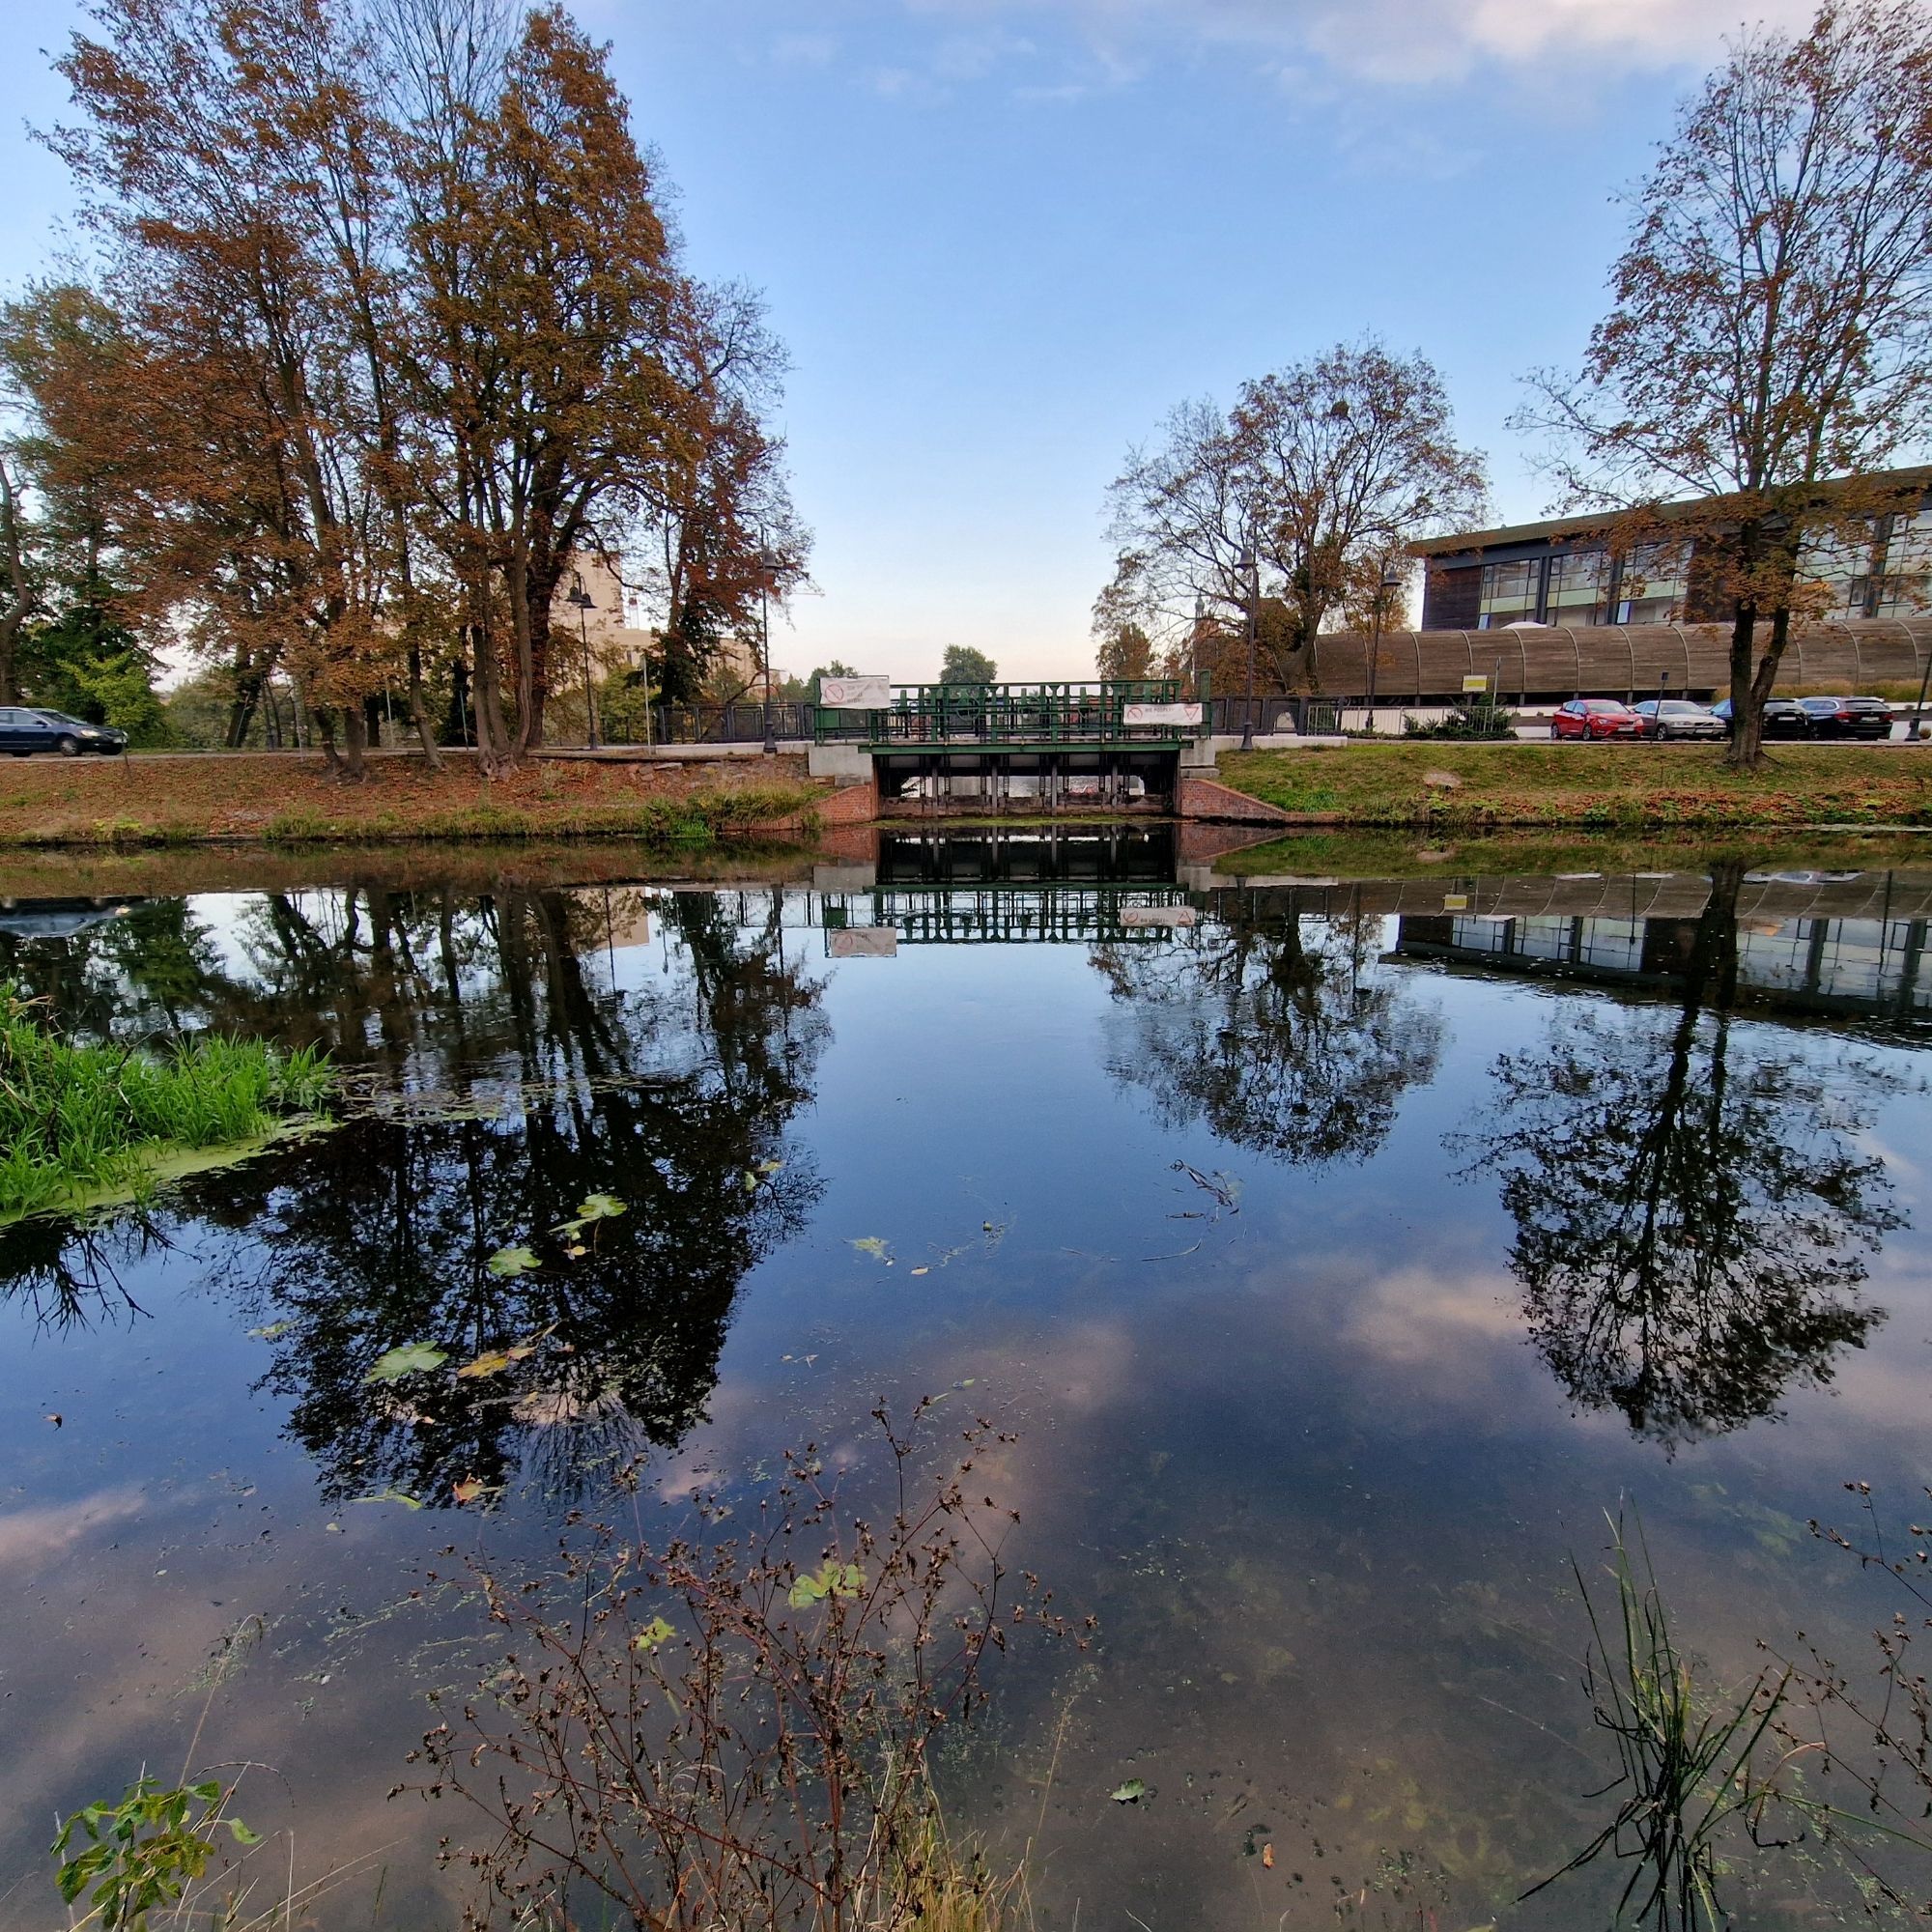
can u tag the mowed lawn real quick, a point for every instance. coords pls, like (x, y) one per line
(290, 796)
(1623, 786)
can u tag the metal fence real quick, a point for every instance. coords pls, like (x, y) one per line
(1080, 712)
(1308, 715)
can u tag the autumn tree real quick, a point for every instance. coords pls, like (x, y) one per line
(963, 665)
(1298, 493)
(405, 333)
(1769, 342)
(1124, 649)
(246, 417)
(718, 522)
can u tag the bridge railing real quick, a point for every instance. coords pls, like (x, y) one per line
(1069, 712)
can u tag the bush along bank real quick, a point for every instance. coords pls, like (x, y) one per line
(83, 1123)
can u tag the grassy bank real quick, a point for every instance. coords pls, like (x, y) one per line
(283, 798)
(80, 1123)
(1586, 787)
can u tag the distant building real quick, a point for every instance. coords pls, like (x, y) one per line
(1562, 571)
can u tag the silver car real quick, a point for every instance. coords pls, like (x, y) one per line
(1678, 718)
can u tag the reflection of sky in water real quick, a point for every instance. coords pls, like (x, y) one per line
(1302, 1460)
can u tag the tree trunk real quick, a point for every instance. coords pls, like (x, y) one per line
(419, 710)
(354, 738)
(1746, 746)
(325, 722)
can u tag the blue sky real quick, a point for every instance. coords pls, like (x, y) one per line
(1002, 237)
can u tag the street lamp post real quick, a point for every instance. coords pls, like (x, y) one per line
(583, 601)
(767, 558)
(1251, 571)
(1391, 580)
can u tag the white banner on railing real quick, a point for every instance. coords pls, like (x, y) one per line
(1161, 714)
(862, 942)
(855, 694)
(1143, 915)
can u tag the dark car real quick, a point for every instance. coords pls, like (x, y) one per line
(1679, 718)
(1784, 718)
(1848, 717)
(1594, 717)
(24, 731)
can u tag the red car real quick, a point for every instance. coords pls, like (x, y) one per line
(1595, 718)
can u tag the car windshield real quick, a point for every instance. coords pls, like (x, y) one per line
(1679, 707)
(1603, 704)
(58, 717)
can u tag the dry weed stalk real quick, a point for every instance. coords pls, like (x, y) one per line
(734, 1730)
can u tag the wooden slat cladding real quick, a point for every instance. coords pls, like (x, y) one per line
(1556, 661)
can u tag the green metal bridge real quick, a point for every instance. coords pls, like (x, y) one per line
(1012, 717)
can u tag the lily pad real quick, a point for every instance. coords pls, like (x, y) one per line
(412, 1358)
(654, 1633)
(834, 1579)
(391, 1496)
(875, 1246)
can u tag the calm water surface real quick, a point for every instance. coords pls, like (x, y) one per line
(1338, 1253)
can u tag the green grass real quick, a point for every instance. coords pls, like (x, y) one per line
(79, 1122)
(1593, 787)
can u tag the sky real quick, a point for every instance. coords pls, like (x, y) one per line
(1002, 238)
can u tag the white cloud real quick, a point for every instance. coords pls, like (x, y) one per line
(1409, 42)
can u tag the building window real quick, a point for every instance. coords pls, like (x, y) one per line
(1509, 594)
(1841, 567)
(1651, 584)
(1578, 586)
(1905, 590)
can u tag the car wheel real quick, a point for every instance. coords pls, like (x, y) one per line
(68, 747)
(1553, 731)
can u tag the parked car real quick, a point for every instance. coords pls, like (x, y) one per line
(1784, 718)
(1679, 718)
(24, 732)
(1848, 717)
(1594, 717)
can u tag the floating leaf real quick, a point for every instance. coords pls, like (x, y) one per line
(768, 1168)
(469, 1489)
(513, 1261)
(921, 1271)
(241, 1834)
(412, 1358)
(1130, 1793)
(1268, 1856)
(492, 1364)
(599, 1206)
(391, 1496)
(834, 1579)
(751, 1183)
(655, 1633)
(270, 1332)
(873, 1245)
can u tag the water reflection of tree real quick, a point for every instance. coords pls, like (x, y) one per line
(1692, 1211)
(1277, 1033)
(528, 1082)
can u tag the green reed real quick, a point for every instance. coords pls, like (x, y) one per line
(1691, 1762)
(83, 1120)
